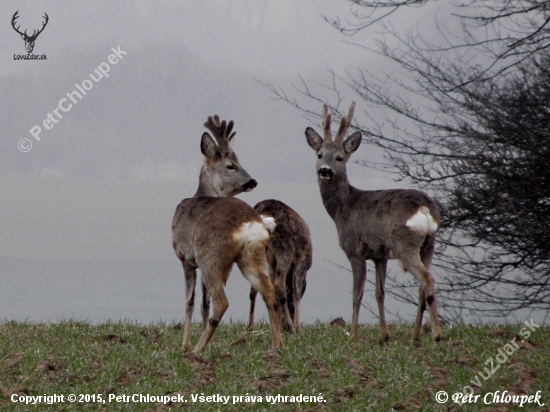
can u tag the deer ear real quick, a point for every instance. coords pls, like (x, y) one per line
(313, 139)
(352, 143)
(23, 36)
(208, 146)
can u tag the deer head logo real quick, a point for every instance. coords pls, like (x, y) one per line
(29, 40)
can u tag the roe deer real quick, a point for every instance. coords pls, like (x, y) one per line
(377, 225)
(288, 254)
(212, 230)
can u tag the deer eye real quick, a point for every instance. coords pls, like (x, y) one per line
(319, 156)
(231, 167)
(339, 158)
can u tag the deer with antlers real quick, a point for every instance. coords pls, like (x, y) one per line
(213, 230)
(289, 256)
(377, 225)
(29, 40)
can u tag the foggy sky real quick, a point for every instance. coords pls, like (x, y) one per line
(85, 215)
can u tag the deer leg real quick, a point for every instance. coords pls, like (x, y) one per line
(220, 305)
(381, 267)
(268, 294)
(281, 272)
(205, 308)
(290, 296)
(299, 287)
(434, 319)
(419, 314)
(252, 266)
(253, 294)
(426, 256)
(413, 264)
(359, 268)
(190, 280)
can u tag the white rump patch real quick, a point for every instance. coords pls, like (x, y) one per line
(269, 222)
(251, 232)
(422, 221)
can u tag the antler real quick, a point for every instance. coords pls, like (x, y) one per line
(326, 121)
(43, 27)
(345, 123)
(220, 130)
(15, 16)
(34, 33)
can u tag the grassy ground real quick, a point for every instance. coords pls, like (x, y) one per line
(117, 359)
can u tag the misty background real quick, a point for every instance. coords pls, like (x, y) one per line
(85, 215)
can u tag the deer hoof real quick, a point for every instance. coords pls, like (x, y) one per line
(288, 328)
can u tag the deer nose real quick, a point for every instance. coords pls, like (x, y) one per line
(251, 184)
(325, 172)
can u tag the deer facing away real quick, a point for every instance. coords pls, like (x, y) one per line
(212, 230)
(289, 255)
(377, 225)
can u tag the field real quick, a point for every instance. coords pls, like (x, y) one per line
(108, 366)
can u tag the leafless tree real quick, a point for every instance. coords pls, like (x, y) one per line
(468, 122)
(512, 31)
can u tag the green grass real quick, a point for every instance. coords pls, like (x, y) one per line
(127, 358)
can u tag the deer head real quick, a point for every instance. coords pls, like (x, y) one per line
(333, 155)
(222, 175)
(29, 40)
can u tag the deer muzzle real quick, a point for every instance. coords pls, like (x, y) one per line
(325, 172)
(251, 184)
